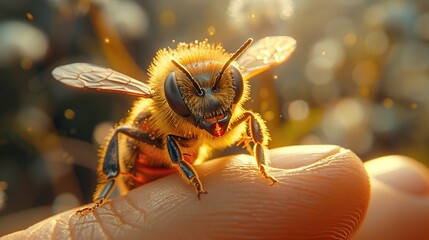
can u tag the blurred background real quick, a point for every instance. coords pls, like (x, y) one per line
(359, 78)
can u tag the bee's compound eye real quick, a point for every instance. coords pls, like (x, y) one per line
(237, 81)
(174, 97)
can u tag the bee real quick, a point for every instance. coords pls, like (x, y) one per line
(191, 105)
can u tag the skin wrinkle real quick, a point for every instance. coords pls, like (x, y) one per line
(334, 235)
(133, 216)
(140, 217)
(36, 229)
(161, 205)
(67, 232)
(121, 215)
(61, 228)
(352, 220)
(113, 223)
(98, 215)
(345, 227)
(331, 234)
(116, 215)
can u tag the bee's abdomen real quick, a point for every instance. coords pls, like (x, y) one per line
(145, 171)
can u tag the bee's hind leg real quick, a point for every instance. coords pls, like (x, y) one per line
(184, 167)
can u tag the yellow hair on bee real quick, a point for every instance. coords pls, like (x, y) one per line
(200, 59)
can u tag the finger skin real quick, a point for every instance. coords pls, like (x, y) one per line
(323, 193)
(399, 207)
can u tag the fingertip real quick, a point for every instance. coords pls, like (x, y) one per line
(336, 179)
(399, 207)
(401, 173)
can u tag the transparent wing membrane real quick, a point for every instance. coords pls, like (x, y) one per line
(84, 75)
(264, 54)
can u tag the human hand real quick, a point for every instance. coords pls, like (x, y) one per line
(323, 193)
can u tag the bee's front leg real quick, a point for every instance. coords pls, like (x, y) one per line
(259, 135)
(183, 166)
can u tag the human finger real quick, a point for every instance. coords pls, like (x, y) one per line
(323, 193)
(399, 207)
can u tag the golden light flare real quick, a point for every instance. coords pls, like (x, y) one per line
(211, 30)
(29, 16)
(69, 114)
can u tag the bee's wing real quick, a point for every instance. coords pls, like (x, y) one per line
(264, 54)
(84, 75)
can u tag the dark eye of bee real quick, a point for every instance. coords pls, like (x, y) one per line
(174, 96)
(237, 81)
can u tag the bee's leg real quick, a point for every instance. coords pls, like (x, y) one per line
(259, 135)
(184, 167)
(110, 165)
(262, 160)
(99, 200)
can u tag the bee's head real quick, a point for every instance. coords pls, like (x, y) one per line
(207, 96)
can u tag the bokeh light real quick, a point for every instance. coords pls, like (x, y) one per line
(346, 122)
(34, 120)
(128, 17)
(69, 114)
(326, 56)
(99, 134)
(244, 13)
(21, 41)
(376, 42)
(64, 201)
(298, 110)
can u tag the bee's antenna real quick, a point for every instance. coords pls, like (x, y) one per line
(190, 77)
(232, 58)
